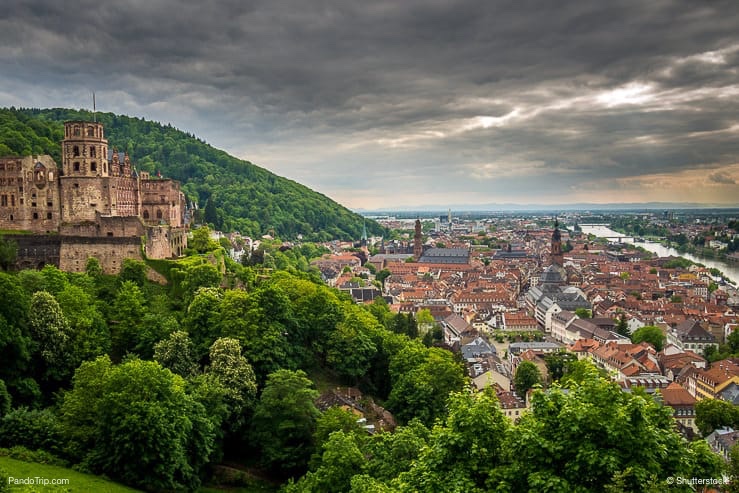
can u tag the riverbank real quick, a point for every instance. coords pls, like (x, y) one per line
(730, 271)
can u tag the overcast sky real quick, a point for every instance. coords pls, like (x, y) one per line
(408, 102)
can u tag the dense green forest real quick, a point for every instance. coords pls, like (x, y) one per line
(234, 194)
(155, 385)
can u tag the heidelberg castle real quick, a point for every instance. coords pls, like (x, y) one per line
(96, 205)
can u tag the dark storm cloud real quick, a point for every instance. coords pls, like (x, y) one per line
(481, 96)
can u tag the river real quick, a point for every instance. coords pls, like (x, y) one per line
(731, 271)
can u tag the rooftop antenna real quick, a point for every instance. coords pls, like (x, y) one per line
(94, 114)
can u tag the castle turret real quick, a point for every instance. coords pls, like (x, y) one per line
(84, 149)
(84, 188)
(417, 241)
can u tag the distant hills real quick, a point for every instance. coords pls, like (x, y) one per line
(234, 194)
(551, 208)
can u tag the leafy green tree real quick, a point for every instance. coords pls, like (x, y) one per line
(462, 451)
(331, 420)
(340, 461)
(583, 312)
(393, 453)
(176, 353)
(711, 414)
(5, 399)
(382, 275)
(593, 436)
(90, 336)
(201, 241)
(93, 268)
(133, 270)
(527, 375)
(8, 253)
(202, 319)
(236, 376)
(422, 380)
(127, 315)
(203, 275)
(285, 420)
(135, 423)
(622, 327)
(31, 428)
(558, 363)
(14, 336)
(54, 280)
(350, 347)
(651, 334)
(52, 337)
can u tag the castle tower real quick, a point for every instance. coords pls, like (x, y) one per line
(84, 181)
(417, 239)
(557, 258)
(84, 150)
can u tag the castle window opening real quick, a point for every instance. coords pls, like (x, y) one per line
(76, 151)
(76, 185)
(77, 131)
(11, 217)
(105, 168)
(76, 166)
(35, 215)
(93, 166)
(51, 176)
(12, 200)
(33, 204)
(110, 233)
(159, 214)
(146, 214)
(49, 204)
(48, 215)
(90, 131)
(92, 151)
(3, 200)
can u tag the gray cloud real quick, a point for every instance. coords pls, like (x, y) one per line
(406, 101)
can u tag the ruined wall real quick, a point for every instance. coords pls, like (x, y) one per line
(106, 227)
(36, 251)
(110, 251)
(29, 194)
(165, 242)
(162, 200)
(83, 197)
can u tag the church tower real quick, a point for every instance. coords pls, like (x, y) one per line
(84, 184)
(557, 258)
(417, 241)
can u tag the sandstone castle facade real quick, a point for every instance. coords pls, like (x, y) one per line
(95, 205)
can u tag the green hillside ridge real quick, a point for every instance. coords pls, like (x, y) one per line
(247, 198)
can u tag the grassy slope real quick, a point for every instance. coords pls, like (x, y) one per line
(78, 482)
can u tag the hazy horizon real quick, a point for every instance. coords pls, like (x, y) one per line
(417, 102)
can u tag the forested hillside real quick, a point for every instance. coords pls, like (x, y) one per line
(235, 194)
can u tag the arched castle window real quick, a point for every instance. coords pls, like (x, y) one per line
(77, 131)
(105, 168)
(92, 151)
(93, 166)
(51, 176)
(146, 214)
(91, 131)
(76, 166)
(76, 151)
(159, 213)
